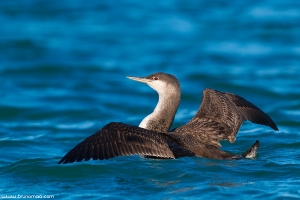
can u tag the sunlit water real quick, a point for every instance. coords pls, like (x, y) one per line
(63, 68)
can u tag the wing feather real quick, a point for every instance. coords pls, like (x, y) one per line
(219, 118)
(118, 139)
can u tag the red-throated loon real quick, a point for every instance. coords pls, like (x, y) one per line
(219, 118)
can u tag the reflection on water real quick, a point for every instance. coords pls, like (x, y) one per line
(225, 183)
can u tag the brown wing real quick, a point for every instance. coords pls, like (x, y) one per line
(220, 116)
(118, 139)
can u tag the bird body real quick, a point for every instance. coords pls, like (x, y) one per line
(219, 118)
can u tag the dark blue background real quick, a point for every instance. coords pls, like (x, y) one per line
(63, 66)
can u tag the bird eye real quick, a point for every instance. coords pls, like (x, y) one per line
(155, 78)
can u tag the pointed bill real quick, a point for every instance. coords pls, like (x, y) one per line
(139, 79)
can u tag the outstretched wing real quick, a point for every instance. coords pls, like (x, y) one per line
(118, 139)
(219, 118)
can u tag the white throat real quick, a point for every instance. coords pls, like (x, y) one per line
(163, 115)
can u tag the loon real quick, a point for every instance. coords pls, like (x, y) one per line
(219, 118)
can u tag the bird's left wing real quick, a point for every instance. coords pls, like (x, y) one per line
(118, 139)
(219, 118)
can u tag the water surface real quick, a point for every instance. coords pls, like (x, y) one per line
(63, 68)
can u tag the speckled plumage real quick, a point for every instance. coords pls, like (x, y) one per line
(218, 118)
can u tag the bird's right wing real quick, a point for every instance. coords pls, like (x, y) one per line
(118, 139)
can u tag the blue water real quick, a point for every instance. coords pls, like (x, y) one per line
(63, 66)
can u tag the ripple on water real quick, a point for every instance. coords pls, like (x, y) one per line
(63, 69)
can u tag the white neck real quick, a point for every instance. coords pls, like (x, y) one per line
(163, 115)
